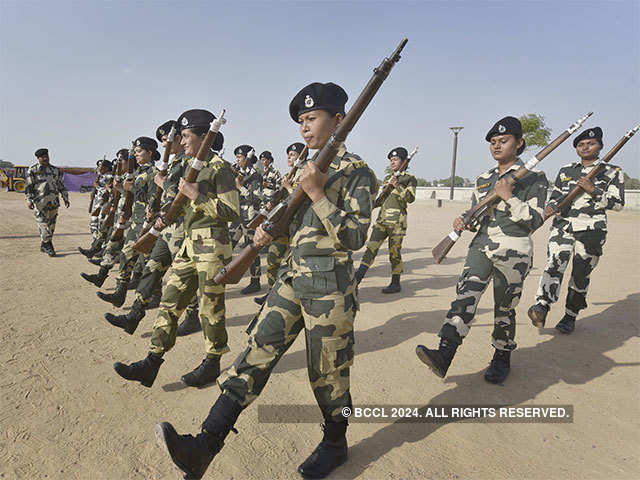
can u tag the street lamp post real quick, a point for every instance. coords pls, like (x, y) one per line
(456, 131)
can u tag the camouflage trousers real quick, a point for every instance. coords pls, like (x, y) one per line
(111, 252)
(163, 253)
(586, 248)
(277, 250)
(508, 268)
(242, 235)
(199, 260)
(378, 235)
(129, 257)
(328, 326)
(46, 221)
(94, 226)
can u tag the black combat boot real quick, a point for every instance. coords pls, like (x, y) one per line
(498, 370)
(135, 280)
(204, 374)
(261, 300)
(128, 322)
(567, 324)
(394, 286)
(92, 250)
(253, 287)
(97, 279)
(95, 261)
(438, 360)
(144, 371)
(360, 273)
(192, 455)
(190, 324)
(329, 454)
(538, 314)
(116, 298)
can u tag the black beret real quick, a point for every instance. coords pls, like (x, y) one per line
(41, 152)
(507, 126)
(595, 132)
(398, 152)
(106, 163)
(295, 147)
(195, 118)
(165, 128)
(146, 143)
(123, 152)
(318, 96)
(243, 150)
(266, 154)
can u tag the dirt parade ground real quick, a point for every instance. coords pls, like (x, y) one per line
(66, 414)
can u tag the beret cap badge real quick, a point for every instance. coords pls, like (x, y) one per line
(185, 121)
(308, 101)
(394, 153)
(502, 128)
(592, 133)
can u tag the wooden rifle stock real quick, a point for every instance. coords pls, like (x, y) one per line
(127, 207)
(563, 206)
(262, 216)
(280, 217)
(389, 188)
(474, 214)
(146, 242)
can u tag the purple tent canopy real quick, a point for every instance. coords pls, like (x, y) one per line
(79, 183)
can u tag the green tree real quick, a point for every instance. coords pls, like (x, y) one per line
(446, 182)
(631, 183)
(534, 130)
(421, 182)
(5, 164)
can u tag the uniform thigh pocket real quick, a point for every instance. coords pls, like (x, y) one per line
(336, 354)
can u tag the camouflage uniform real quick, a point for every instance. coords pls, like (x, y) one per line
(392, 222)
(278, 247)
(101, 190)
(314, 291)
(113, 248)
(143, 189)
(205, 250)
(44, 184)
(250, 202)
(271, 183)
(581, 231)
(501, 249)
(169, 242)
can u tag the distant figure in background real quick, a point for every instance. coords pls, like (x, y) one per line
(44, 184)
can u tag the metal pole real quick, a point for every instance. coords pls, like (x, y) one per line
(455, 130)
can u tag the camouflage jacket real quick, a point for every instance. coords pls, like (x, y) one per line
(217, 204)
(101, 188)
(44, 184)
(324, 234)
(271, 183)
(508, 225)
(250, 193)
(394, 209)
(588, 212)
(143, 189)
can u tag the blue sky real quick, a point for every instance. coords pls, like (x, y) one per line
(85, 78)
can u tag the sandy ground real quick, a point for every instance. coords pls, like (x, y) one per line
(66, 415)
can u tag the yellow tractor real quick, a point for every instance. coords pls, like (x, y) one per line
(14, 178)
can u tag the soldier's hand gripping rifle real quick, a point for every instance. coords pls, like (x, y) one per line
(154, 208)
(565, 202)
(280, 217)
(388, 187)
(146, 242)
(127, 207)
(261, 217)
(472, 216)
(115, 199)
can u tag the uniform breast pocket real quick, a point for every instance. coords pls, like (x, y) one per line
(318, 276)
